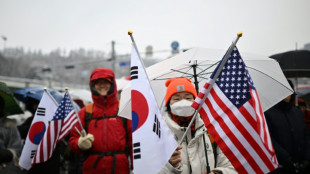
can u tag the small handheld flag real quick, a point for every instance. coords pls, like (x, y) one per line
(43, 115)
(59, 126)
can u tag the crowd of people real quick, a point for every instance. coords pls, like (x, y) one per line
(104, 142)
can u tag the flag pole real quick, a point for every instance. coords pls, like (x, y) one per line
(49, 94)
(82, 133)
(134, 44)
(232, 46)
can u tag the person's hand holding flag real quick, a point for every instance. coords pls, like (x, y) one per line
(176, 157)
(85, 142)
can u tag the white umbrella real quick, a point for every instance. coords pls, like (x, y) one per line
(269, 80)
(82, 94)
(121, 83)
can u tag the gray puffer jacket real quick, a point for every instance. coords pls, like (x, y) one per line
(10, 138)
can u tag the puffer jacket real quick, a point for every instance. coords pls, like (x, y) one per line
(193, 151)
(108, 147)
(10, 139)
(289, 133)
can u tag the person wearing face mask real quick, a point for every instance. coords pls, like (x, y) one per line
(107, 142)
(196, 153)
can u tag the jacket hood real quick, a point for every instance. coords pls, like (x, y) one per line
(105, 73)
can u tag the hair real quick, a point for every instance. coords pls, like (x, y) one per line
(29, 104)
(293, 96)
(168, 108)
(301, 102)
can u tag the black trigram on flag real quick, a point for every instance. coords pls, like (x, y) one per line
(136, 151)
(134, 72)
(156, 126)
(41, 111)
(33, 152)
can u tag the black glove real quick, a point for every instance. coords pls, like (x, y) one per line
(293, 167)
(5, 155)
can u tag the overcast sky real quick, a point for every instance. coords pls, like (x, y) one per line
(269, 26)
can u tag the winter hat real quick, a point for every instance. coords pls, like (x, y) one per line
(179, 85)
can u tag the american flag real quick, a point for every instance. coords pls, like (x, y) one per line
(62, 122)
(233, 116)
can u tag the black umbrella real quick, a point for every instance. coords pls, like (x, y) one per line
(294, 63)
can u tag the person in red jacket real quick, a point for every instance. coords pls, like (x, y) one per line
(107, 142)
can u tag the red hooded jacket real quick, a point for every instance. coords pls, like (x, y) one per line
(109, 133)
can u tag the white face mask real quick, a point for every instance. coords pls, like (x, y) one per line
(182, 108)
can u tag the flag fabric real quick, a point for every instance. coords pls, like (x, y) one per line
(153, 143)
(59, 126)
(233, 115)
(43, 115)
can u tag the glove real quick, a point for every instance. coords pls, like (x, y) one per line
(85, 142)
(291, 167)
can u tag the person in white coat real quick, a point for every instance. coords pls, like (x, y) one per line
(190, 156)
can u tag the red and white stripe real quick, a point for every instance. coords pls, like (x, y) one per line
(242, 134)
(56, 131)
(67, 124)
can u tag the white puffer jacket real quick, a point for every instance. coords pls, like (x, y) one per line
(193, 151)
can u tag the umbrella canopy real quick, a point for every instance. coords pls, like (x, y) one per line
(10, 105)
(82, 94)
(198, 64)
(121, 83)
(294, 63)
(36, 93)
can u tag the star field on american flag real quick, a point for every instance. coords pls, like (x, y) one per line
(235, 80)
(64, 109)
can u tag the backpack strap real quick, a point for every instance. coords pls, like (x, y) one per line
(127, 148)
(214, 146)
(88, 118)
(88, 115)
(102, 117)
